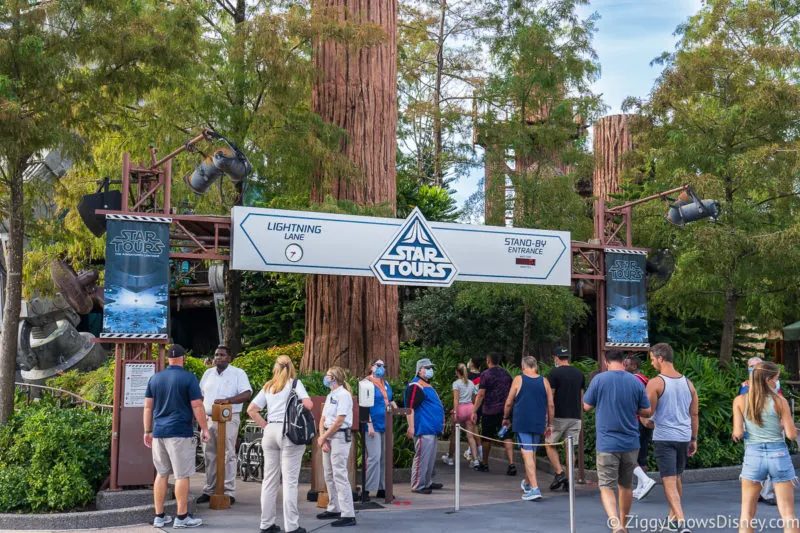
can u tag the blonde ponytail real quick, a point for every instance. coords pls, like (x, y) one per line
(340, 376)
(282, 372)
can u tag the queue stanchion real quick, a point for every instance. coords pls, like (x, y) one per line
(458, 467)
(571, 470)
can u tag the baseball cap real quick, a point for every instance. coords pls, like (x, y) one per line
(560, 352)
(175, 351)
(422, 363)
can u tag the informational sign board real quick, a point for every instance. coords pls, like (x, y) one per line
(136, 378)
(626, 299)
(399, 252)
(137, 278)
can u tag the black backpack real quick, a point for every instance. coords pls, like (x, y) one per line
(298, 423)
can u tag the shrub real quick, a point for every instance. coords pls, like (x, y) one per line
(53, 459)
(258, 363)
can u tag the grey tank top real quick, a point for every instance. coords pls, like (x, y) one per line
(672, 418)
(770, 429)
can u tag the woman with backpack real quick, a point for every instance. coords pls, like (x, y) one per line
(282, 457)
(763, 419)
(335, 440)
(376, 426)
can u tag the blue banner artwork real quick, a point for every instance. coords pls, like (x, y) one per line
(626, 300)
(137, 278)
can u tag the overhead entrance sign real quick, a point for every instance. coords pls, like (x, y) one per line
(399, 252)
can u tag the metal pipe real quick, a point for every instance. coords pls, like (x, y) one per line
(179, 150)
(621, 208)
(458, 467)
(571, 467)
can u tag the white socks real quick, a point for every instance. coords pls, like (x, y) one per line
(640, 475)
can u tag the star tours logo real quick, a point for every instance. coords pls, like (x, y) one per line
(414, 257)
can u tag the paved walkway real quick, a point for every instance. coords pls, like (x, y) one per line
(490, 502)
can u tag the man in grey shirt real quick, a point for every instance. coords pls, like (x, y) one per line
(674, 402)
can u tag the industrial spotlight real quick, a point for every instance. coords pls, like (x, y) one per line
(690, 208)
(110, 200)
(230, 161)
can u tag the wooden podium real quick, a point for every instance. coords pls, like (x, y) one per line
(221, 414)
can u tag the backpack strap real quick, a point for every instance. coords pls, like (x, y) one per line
(286, 413)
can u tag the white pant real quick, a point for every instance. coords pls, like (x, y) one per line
(210, 456)
(337, 480)
(282, 459)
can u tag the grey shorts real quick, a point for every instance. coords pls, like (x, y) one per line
(563, 428)
(175, 455)
(671, 457)
(616, 469)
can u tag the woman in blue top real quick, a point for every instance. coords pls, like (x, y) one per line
(376, 426)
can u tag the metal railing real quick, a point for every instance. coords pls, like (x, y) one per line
(59, 394)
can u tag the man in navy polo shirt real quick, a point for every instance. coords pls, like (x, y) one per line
(172, 400)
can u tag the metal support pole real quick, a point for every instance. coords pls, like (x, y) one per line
(458, 467)
(571, 467)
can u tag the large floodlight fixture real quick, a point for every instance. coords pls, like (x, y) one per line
(227, 160)
(690, 208)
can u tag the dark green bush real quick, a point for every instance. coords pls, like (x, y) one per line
(53, 459)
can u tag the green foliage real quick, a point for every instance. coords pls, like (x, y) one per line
(258, 363)
(96, 386)
(53, 459)
(195, 365)
(273, 309)
(723, 117)
(434, 202)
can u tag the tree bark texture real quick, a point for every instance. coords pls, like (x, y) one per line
(8, 341)
(494, 203)
(233, 311)
(612, 138)
(351, 320)
(437, 112)
(728, 329)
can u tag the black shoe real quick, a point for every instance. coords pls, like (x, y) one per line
(364, 497)
(327, 515)
(233, 500)
(274, 528)
(204, 498)
(768, 501)
(380, 494)
(437, 486)
(344, 522)
(512, 470)
(558, 480)
(426, 490)
(483, 467)
(298, 530)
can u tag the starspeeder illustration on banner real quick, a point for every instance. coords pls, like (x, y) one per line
(137, 278)
(626, 303)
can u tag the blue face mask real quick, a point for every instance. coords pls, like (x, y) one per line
(380, 371)
(428, 373)
(750, 370)
(328, 383)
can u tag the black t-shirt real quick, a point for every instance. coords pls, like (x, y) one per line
(567, 382)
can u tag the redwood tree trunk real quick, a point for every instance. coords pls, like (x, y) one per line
(437, 111)
(350, 320)
(8, 343)
(728, 329)
(612, 138)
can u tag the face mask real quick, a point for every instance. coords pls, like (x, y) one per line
(750, 370)
(380, 371)
(777, 387)
(325, 381)
(428, 373)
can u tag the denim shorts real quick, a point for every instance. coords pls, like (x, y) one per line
(527, 441)
(771, 458)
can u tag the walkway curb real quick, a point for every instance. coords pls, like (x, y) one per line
(126, 516)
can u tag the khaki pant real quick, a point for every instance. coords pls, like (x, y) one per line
(282, 460)
(334, 463)
(210, 455)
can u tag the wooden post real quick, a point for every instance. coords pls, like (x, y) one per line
(221, 414)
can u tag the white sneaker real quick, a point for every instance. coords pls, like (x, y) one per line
(446, 459)
(644, 489)
(189, 521)
(474, 463)
(161, 522)
(468, 455)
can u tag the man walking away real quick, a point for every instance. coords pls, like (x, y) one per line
(568, 384)
(532, 401)
(425, 424)
(172, 399)
(223, 384)
(645, 484)
(618, 398)
(674, 402)
(493, 391)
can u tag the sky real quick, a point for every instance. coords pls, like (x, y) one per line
(630, 34)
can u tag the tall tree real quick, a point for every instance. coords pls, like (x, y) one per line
(351, 319)
(61, 65)
(724, 116)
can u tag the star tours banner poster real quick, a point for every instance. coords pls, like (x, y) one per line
(137, 278)
(626, 300)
